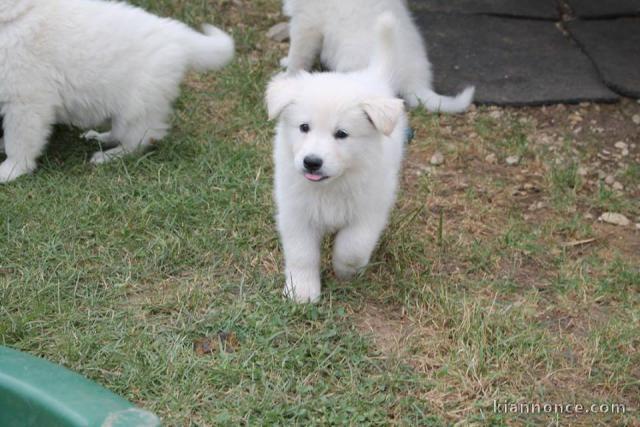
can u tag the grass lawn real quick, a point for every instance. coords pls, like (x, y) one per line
(160, 276)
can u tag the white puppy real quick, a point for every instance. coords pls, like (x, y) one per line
(338, 152)
(85, 62)
(340, 32)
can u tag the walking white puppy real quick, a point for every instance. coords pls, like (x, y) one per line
(340, 32)
(84, 62)
(338, 152)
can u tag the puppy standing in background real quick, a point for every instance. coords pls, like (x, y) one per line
(340, 32)
(338, 152)
(84, 62)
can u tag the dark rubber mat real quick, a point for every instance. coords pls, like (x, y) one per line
(614, 46)
(510, 61)
(537, 9)
(604, 8)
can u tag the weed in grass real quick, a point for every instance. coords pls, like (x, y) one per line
(565, 182)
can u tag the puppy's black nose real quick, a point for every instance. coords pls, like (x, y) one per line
(312, 163)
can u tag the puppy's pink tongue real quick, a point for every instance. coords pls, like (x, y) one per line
(312, 177)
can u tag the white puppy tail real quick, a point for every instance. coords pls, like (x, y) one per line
(382, 61)
(212, 50)
(446, 104)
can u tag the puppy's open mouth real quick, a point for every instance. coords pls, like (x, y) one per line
(315, 177)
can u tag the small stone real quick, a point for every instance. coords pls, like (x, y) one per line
(588, 216)
(625, 153)
(495, 114)
(279, 32)
(491, 158)
(621, 145)
(437, 159)
(609, 180)
(582, 171)
(512, 160)
(617, 186)
(636, 119)
(638, 227)
(615, 219)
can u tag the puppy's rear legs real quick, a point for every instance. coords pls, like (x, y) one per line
(133, 137)
(26, 129)
(106, 139)
(306, 44)
(301, 246)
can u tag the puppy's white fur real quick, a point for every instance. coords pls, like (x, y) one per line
(85, 62)
(361, 170)
(340, 32)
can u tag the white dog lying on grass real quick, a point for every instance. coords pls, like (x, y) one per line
(340, 31)
(338, 152)
(84, 62)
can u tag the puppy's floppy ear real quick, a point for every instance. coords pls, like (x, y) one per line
(281, 93)
(383, 113)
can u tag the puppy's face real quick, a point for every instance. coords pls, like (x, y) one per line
(332, 125)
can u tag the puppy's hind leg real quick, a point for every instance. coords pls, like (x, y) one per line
(26, 130)
(105, 139)
(133, 136)
(306, 43)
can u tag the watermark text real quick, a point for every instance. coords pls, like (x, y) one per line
(557, 408)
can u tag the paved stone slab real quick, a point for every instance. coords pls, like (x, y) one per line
(614, 46)
(510, 61)
(536, 9)
(604, 8)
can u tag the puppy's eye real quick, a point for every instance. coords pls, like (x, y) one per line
(305, 128)
(340, 135)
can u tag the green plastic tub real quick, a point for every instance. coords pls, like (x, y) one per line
(34, 392)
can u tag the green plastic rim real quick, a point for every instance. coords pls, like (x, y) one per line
(38, 393)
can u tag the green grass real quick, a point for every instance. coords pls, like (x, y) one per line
(117, 271)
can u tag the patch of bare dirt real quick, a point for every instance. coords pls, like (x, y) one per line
(602, 141)
(389, 330)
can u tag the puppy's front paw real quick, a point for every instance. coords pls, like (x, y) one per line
(10, 170)
(302, 293)
(284, 62)
(345, 270)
